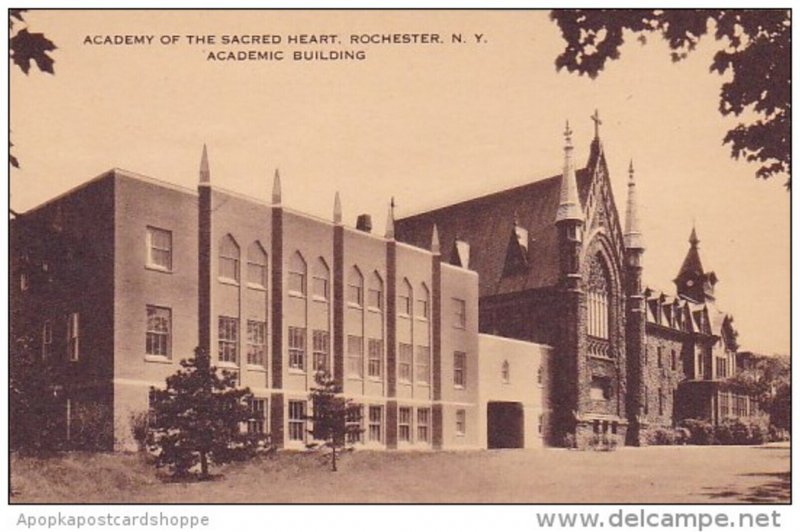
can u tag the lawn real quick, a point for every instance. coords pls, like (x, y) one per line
(647, 475)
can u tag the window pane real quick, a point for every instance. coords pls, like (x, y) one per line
(423, 364)
(355, 357)
(404, 363)
(375, 361)
(297, 348)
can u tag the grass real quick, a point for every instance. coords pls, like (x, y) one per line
(647, 475)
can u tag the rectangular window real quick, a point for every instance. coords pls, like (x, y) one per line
(159, 248)
(47, 340)
(459, 369)
(405, 355)
(422, 308)
(353, 424)
(460, 313)
(404, 305)
(297, 283)
(374, 298)
(159, 330)
(258, 424)
(297, 348)
(229, 265)
(321, 345)
(404, 424)
(660, 402)
(674, 360)
(257, 343)
(376, 423)
(375, 360)
(646, 401)
(297, 421)
(355, 356)
(257, 274)
(461, 422)
(320, 287)
(355, 294)
(423, 364)
(228, 339)
(423, 424)
(73, 338)
(659, 358)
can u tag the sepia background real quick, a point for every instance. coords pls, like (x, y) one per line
(427, 124)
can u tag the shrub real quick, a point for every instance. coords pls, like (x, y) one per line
(723, 434)
(603, 442)
(701, 432)
(569, 441)
(682, 436)
(661, 437)
(740, 432)
(758, 434)
(140, 427)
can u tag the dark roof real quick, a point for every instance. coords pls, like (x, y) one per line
(487, 222)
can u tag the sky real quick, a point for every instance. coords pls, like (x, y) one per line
(429, 124)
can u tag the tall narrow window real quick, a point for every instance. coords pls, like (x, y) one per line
(257, 343)
(321, 340)
(405, 354)
(423, 302)
(423, 364)
(375, 292)
(258, 410)
(375, 360)
(598, 298)
(159, 248)
(660, 402)
(659, 357)
(423, 424)
(404, 298)
(355, 356)
(354, 423)
(159, 326)
(297, 420)
(404, 424)
(321, 280)
(459, 369)
(229, 259)
(460, 313)
(674, 361)
(297, 275)
(256, 266)
(47, 340)
(505, 372)
(228, 339)
(376, 423)
(540, 376)
(461, 422)
(297, 348)
(73, 336)
(355, 287)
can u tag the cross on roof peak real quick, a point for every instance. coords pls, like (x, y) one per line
(597, 123)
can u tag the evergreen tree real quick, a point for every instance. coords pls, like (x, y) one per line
(335, 419)
(199, 417)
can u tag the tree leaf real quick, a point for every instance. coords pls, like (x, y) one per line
(26, 47)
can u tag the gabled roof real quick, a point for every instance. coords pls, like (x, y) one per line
(486, 223)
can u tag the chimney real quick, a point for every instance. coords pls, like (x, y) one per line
(364, 223)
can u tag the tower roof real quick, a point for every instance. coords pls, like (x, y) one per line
(633, 233)
(569, 205)
(205, 173)
(692, 264)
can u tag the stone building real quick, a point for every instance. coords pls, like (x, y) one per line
(518, 319)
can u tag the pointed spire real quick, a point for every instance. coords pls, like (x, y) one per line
(633, 234)
(205, 173)
(693, 240)
(435, 246)
(337, 209)
(276, 188)
(390, 221)
(569, 206)
(691, 263)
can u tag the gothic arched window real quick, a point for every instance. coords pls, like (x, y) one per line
(375, 292)
(404, 298)
(297, 274)
(256, 266)
(321, 280)
(355, 287)
(598, 299)
(229, 259)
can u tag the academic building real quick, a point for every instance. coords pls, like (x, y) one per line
(517, 319)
